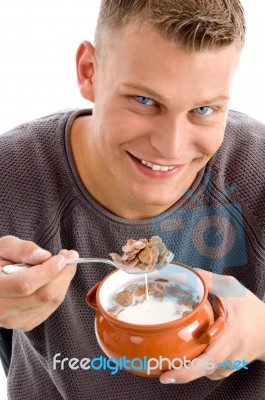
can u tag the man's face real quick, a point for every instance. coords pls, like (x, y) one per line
(159, 116)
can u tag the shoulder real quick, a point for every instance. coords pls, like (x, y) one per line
(238, 167)
(240, 159)
(243, 147)
(38, 146)
(243, 126)
(35, 174)
(32, 155)
(31, 132)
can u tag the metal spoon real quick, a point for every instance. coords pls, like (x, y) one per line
(14, 268)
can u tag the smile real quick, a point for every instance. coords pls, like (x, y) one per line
(156, 167)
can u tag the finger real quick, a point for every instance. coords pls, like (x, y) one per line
(222, 285)
(54, 292)
(64, 252)
(31, 279)
(208, 364)
(25, 313)
(70, 254)
(191, 370)
(22, 251)
(220, 374)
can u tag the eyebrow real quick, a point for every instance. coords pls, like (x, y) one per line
(213, 100)
(163, 99)
(147, 90)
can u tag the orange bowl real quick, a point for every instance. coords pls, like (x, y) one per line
(152, 349)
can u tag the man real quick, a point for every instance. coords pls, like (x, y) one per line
(159, 154)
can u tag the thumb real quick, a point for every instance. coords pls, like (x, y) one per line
(222, 285)
(17, 250)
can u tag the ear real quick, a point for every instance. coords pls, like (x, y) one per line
(85, 68)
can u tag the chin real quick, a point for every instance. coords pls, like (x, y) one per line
(156, 201)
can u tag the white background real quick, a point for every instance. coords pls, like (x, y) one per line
(38, 43)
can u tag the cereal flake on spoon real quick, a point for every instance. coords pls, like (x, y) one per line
(146, 255)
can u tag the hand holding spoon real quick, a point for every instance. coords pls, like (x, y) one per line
(140, 257)
(14, 268)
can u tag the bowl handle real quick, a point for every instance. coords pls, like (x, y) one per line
(216, 328)
(91, 296)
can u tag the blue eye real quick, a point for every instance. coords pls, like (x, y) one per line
(144, 100)
(204, 110)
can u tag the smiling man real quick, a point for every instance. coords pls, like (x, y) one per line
(159, 154)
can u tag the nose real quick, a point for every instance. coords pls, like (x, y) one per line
(171, 136)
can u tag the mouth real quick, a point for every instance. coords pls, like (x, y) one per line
(153, 168)
(156, 167)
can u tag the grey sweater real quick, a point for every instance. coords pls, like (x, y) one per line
(218, 225)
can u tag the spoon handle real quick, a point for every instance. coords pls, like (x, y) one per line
(90, 259)
(13, 268)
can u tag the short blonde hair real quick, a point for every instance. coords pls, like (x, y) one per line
(194, 24)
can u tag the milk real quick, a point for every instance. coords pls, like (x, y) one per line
(152, 311)
(154, 302)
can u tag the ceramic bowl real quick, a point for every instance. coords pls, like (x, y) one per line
(186, 337)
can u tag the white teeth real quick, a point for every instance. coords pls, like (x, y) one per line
(155, 167)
